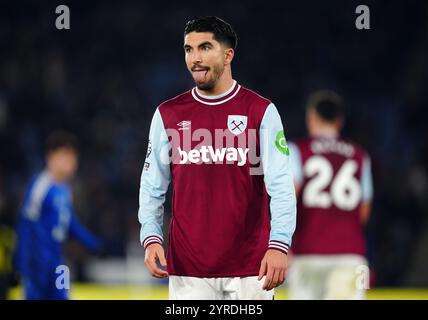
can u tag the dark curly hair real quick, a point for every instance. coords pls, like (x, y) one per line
(60, 139)
(327, 104)
(222, 31)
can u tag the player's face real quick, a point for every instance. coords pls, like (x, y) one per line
(63, 163)
(205, 59)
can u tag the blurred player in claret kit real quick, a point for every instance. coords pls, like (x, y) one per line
(223, 244)
(47, 218)
(334, 186)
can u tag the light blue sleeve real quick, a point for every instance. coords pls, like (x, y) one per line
(296, 163)
(367, 180)
(278, 180)
(155, 179)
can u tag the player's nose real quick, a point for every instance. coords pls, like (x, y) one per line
(196, 57)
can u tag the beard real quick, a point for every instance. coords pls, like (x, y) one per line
(209, 85)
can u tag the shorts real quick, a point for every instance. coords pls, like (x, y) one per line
(43, 288)
(228, 288)
(328, 277)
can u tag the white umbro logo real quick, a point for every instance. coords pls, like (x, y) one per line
(184, 125)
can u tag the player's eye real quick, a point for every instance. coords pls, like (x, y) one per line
(205, 47)
(187, 49)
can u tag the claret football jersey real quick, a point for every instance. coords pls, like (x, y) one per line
(224, 155)
(334, 175)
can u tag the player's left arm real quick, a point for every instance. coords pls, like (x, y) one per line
(279, 185)
(296, 166)
(367, 190)
(83, 235)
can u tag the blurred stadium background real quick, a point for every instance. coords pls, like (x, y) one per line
(103, 79)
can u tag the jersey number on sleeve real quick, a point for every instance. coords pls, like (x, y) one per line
(345, 189)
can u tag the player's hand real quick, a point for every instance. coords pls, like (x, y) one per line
(274, 265)
(155, 252)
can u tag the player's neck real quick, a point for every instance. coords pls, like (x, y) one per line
(325, 131)
(55, 176)
(222, 86)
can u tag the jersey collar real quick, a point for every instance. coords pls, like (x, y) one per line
(218, 99)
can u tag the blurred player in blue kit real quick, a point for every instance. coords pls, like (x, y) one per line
(46, 219)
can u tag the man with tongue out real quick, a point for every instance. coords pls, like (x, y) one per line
(226, 239)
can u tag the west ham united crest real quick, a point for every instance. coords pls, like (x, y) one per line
(236, 124)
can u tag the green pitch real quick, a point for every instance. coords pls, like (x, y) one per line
(124, 292)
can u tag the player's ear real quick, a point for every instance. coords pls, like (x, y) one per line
(339, 123)
(229, 53)
(48, 156)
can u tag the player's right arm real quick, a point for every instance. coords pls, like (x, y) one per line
(27, 220)
(154, 183)
(21, 255)
(367, 190)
